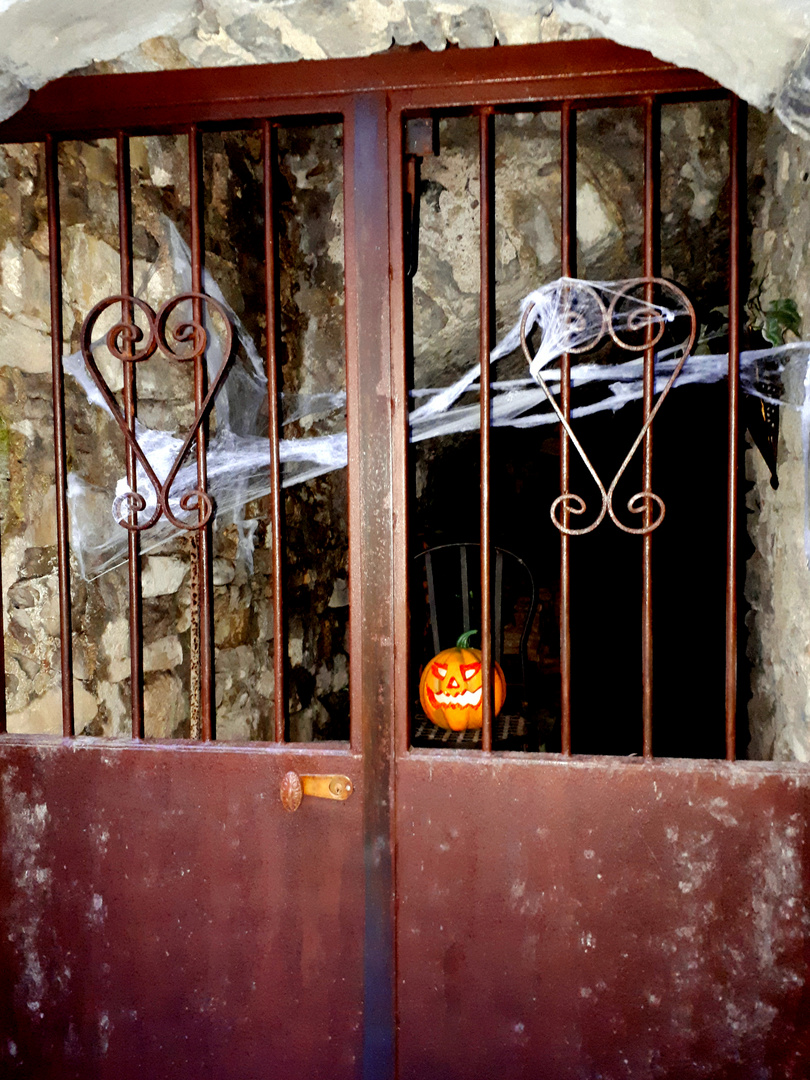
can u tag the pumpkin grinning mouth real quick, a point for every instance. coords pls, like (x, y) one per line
(455, 701)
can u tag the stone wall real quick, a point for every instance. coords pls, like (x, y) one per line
(778, 580)
(527, 212)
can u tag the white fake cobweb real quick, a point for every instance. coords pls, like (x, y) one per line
(566, 318)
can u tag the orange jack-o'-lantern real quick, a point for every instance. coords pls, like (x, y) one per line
(451, 686)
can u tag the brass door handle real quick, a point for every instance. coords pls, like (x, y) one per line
(295, 787)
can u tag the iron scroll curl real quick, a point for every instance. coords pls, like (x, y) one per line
(187, 341)
(646, 318)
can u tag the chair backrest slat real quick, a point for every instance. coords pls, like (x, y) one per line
(465, 588)
(503, 560)
(434, 619)
(497, 612)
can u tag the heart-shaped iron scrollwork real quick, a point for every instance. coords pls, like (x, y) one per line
(650, 320)
(128, 343)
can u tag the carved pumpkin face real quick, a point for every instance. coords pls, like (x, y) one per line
(450, 689)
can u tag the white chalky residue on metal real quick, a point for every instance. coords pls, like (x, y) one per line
(28, 820)
(718, 808)
(104, 1030)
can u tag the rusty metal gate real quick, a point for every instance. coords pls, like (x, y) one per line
(456, 912)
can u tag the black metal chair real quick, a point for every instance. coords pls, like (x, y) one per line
(450, 581)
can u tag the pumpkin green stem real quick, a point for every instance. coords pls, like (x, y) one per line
(464, 641)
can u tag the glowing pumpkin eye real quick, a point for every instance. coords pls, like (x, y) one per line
(440, 670)
(469, 671)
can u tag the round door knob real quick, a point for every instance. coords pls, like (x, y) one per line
(292, 791)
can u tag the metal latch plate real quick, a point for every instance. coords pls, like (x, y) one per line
(324, 786)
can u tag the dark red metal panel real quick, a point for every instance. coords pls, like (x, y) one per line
(586, 918)
(172, 100)
(161, 914)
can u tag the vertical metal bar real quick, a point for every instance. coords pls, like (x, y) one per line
(273, 428)
(568, 259)
(486, 327)
(206, 621)
(129, 392)
(404, 248)
(652, 171)
(737, 152)
(375, 667)
(60, 453)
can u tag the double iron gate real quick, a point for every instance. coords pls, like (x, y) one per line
(454, 912)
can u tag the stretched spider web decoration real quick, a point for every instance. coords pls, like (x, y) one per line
(567, 316)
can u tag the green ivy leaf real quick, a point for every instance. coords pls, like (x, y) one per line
(781, 316)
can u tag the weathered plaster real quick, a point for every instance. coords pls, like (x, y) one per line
(748, 47)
